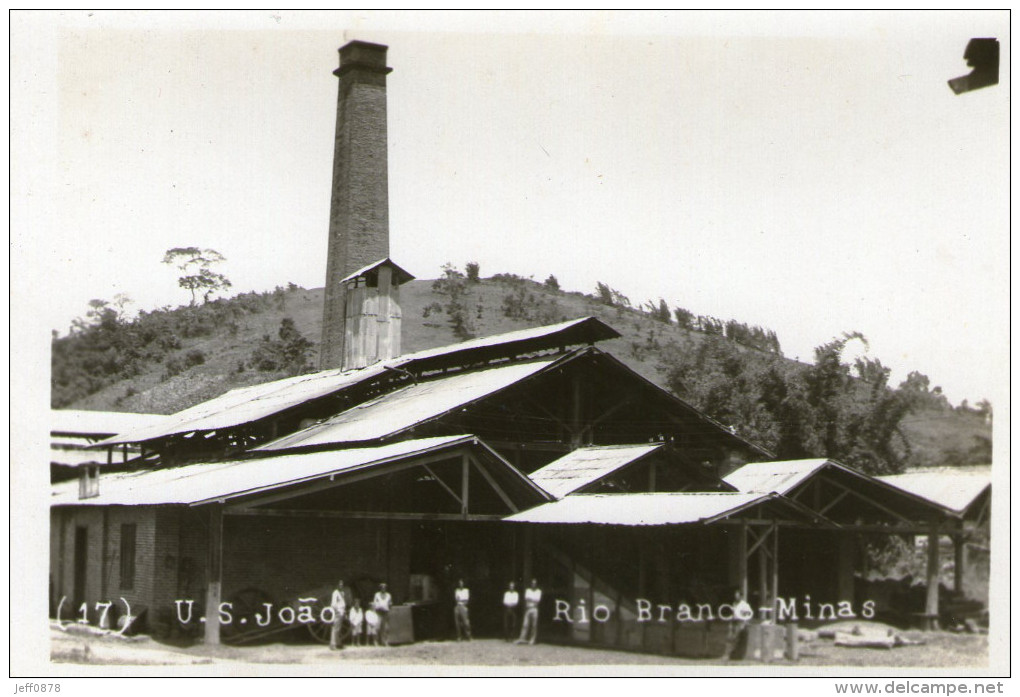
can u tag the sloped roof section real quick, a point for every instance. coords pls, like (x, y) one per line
(584, 466)
(249, 404)
(586, 330)
(791, 477)
(685, 508)
(60, 454)
(767, 477)
(98, 424)
(410, 406)
(400, 276)
(222, 481)
(953, 488)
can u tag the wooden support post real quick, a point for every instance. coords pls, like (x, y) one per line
(576, 431)
(763, 580)
(742, 559)
(959, 561)
(845, 566)
(931, 605)
(105, 554)
(775, 573)
(62, 514)
(642, 587)
(465, 473)
(214, 575)
(527, 565)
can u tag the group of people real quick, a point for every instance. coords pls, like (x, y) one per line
(372, 622)
(511, 607)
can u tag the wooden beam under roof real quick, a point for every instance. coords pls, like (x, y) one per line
(357, 515)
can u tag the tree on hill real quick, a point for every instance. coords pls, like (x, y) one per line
(287, 353)
(610, 296)
(196, 276)
(454, 287)
(829, 409)
(660, 312)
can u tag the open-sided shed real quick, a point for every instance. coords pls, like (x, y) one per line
(860, 504)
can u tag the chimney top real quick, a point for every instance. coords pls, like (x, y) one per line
(362, 55)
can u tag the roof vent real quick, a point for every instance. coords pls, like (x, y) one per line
(88, 482)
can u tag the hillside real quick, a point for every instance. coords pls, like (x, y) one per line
(211, 349)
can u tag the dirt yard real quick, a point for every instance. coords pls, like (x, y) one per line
(74, 646)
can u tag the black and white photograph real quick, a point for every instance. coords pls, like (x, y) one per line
(616, 343)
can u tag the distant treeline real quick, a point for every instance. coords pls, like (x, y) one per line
(754, 337)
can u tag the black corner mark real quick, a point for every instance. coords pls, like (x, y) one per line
(983, 56)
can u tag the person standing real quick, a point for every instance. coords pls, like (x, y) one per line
(511, 599)
(737, 630)
(381, 603)
(371, 627)
(529, 628)
(338, 602)
(356, 618)
(461, 619)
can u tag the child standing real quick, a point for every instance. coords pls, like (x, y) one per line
(372, 623)
(356, 618)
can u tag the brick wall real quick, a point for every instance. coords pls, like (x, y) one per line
(102, 574)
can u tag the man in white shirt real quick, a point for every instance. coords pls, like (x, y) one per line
(461, 620)
(381, 603)
(532, 598)
(511, 599)
(338, 602)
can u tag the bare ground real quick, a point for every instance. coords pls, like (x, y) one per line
(941, 650)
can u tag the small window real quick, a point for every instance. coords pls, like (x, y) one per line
(127, 556)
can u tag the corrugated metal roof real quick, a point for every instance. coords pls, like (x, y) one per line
(584, 466)
(248, 404)
(194, 484)
(779, 477)
(99, 423)
(401, 277)
(955, 489)
(641, 509)
(76, 458)
(783, 477)
(596, 329)
(408, 406)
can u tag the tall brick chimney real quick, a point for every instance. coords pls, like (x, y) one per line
(359, 206)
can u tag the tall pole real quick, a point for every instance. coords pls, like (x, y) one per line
(215, 575)
(931, 605)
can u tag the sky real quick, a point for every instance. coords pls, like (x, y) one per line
(810, 173)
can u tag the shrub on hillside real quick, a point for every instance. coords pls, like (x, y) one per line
(287, 353)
